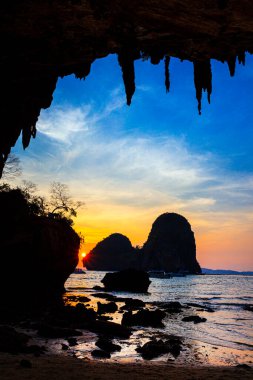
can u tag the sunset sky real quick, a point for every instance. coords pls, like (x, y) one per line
(131, 164)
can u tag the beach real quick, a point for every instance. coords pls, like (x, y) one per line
(71, 368)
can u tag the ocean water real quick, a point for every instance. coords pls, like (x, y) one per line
(226, 338)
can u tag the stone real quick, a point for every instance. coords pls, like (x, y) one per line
(170, 246)
(172, 307)
(248, 307)
(155, 348)
(100, 354)
(107, 345)
(132, 304)
(129, 280)
(110, 307)
(72, 342)
(144, 318)
(194, 318)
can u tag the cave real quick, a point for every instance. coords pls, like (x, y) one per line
(44, 40)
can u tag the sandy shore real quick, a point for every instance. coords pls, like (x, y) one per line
(71, 368)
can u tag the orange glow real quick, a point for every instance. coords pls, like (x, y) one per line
(224, 241)
(83, 254)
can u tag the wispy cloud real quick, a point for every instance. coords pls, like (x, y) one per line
(137, 171)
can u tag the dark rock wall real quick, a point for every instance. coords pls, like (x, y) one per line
(43, 40)
(37, 254)
(170, 246)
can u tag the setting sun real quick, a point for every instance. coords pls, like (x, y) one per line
(83, 254)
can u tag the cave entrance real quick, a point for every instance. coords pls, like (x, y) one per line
(129, 164)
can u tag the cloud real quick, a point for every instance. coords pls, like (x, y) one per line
(134, 170)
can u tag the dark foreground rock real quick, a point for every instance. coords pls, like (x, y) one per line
(110, 307)
(41, 252)
(100, 354)
(144, 318)
(132, 304)
(248, 307)
(171, 307)
(107, 345)
(194, 318)
(156, 348)
(129, 280)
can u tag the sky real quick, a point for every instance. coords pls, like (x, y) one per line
(131, 164)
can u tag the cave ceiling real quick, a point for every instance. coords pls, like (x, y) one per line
(43, 40)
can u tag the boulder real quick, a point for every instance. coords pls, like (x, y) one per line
(171, 307)
(129, 280)
(107, 345)
(100, 354)
(113, 253)
(170, 246)
(156, 348)
(110, 307)
(133, 304)
(194, 318)
(144, 318)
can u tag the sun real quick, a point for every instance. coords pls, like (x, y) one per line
(83, 254)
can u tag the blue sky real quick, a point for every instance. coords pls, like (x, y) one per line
(130, 164)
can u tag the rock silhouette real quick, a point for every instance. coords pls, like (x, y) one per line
(129, 280)
(170, 247)
(113, 253)
(73, 34)
(37, 253)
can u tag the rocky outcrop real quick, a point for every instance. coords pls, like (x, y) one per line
(113, 253)
(65, 37)
(170, 246)
(129, 280)
(37, 253)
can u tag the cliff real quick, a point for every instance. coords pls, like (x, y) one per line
(37, 253)
(170, 246)
(65, 37)
(113, 253)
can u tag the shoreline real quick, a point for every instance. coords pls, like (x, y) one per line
(71, 368)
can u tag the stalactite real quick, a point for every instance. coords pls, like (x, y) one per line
(167, 73)
(241, 57)
(202, 80)
(126, 61)
(231, 65)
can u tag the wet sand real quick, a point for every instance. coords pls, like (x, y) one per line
(70, 368)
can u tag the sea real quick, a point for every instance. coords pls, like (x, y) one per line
(226, 338)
